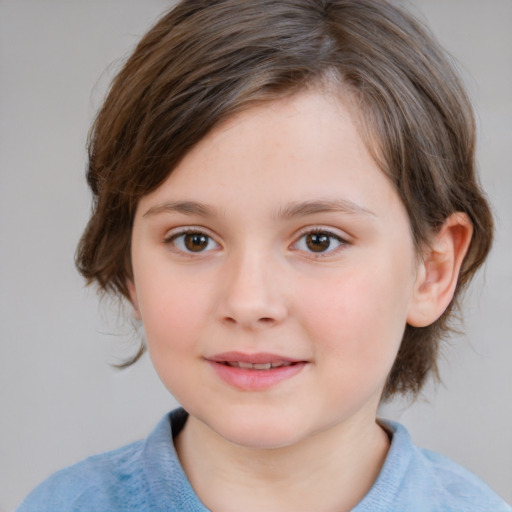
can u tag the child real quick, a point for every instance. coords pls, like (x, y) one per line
(285, 192)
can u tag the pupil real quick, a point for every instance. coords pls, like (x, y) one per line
(196, 242)
(318, 242)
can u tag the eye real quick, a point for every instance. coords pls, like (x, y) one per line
(192, 242)
(318, 242)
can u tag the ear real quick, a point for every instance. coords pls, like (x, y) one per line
(133, 299)
(438, 272)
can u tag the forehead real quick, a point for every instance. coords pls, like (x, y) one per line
(305, 147)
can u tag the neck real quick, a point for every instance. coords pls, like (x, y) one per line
(329, 471)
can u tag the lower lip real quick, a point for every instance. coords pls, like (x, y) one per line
(255, 380)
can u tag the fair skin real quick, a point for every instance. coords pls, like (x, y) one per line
(277, 241)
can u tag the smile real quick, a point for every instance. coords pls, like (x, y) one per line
(255, 372)
(257, 366)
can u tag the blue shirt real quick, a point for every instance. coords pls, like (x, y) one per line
(147, 476)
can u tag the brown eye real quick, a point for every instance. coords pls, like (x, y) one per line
(196, 242)
(318, 242)
(192, 242)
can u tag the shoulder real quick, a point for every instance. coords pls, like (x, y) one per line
(456, 485)
(432, 482)
(145, 475)
(91, 484)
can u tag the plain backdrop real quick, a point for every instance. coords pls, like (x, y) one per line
(60, 400)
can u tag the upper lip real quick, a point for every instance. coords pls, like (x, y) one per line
(257, 358)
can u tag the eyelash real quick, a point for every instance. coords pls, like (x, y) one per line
(171, 239)
(329, 234)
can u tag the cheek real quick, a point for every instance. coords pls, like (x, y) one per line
(358, 317)
(171, 312)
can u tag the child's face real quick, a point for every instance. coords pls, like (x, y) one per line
(276, 240)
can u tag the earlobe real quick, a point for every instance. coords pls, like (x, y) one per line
(439, 270)
(133, 299)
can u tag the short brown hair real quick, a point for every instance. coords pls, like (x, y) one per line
(206, 60)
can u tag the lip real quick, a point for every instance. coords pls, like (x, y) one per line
(257, 358)
(246, 379)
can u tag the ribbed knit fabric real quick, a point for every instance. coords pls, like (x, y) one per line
(147, 476)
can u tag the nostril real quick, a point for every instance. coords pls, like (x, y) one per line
(260, 321)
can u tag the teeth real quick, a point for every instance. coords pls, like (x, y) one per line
(277, 365)
(263, 366)
(257, 366)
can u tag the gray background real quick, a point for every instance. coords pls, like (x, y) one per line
(59, 398)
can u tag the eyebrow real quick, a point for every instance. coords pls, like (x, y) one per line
(294, 209)
(302, 209)
(185, 207)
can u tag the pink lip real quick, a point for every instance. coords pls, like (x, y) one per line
(246, 379)
(259, 358)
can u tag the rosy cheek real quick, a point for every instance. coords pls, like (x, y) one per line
(167, 318)
(352, 307)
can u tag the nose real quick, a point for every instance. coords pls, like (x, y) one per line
(252, 294)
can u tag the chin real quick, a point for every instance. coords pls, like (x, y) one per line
(262, 439)
(263, 432)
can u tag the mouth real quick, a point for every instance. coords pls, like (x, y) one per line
(255, 372)
(258, 361)
(257, 366)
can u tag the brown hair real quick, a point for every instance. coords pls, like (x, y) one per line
(206, 60)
